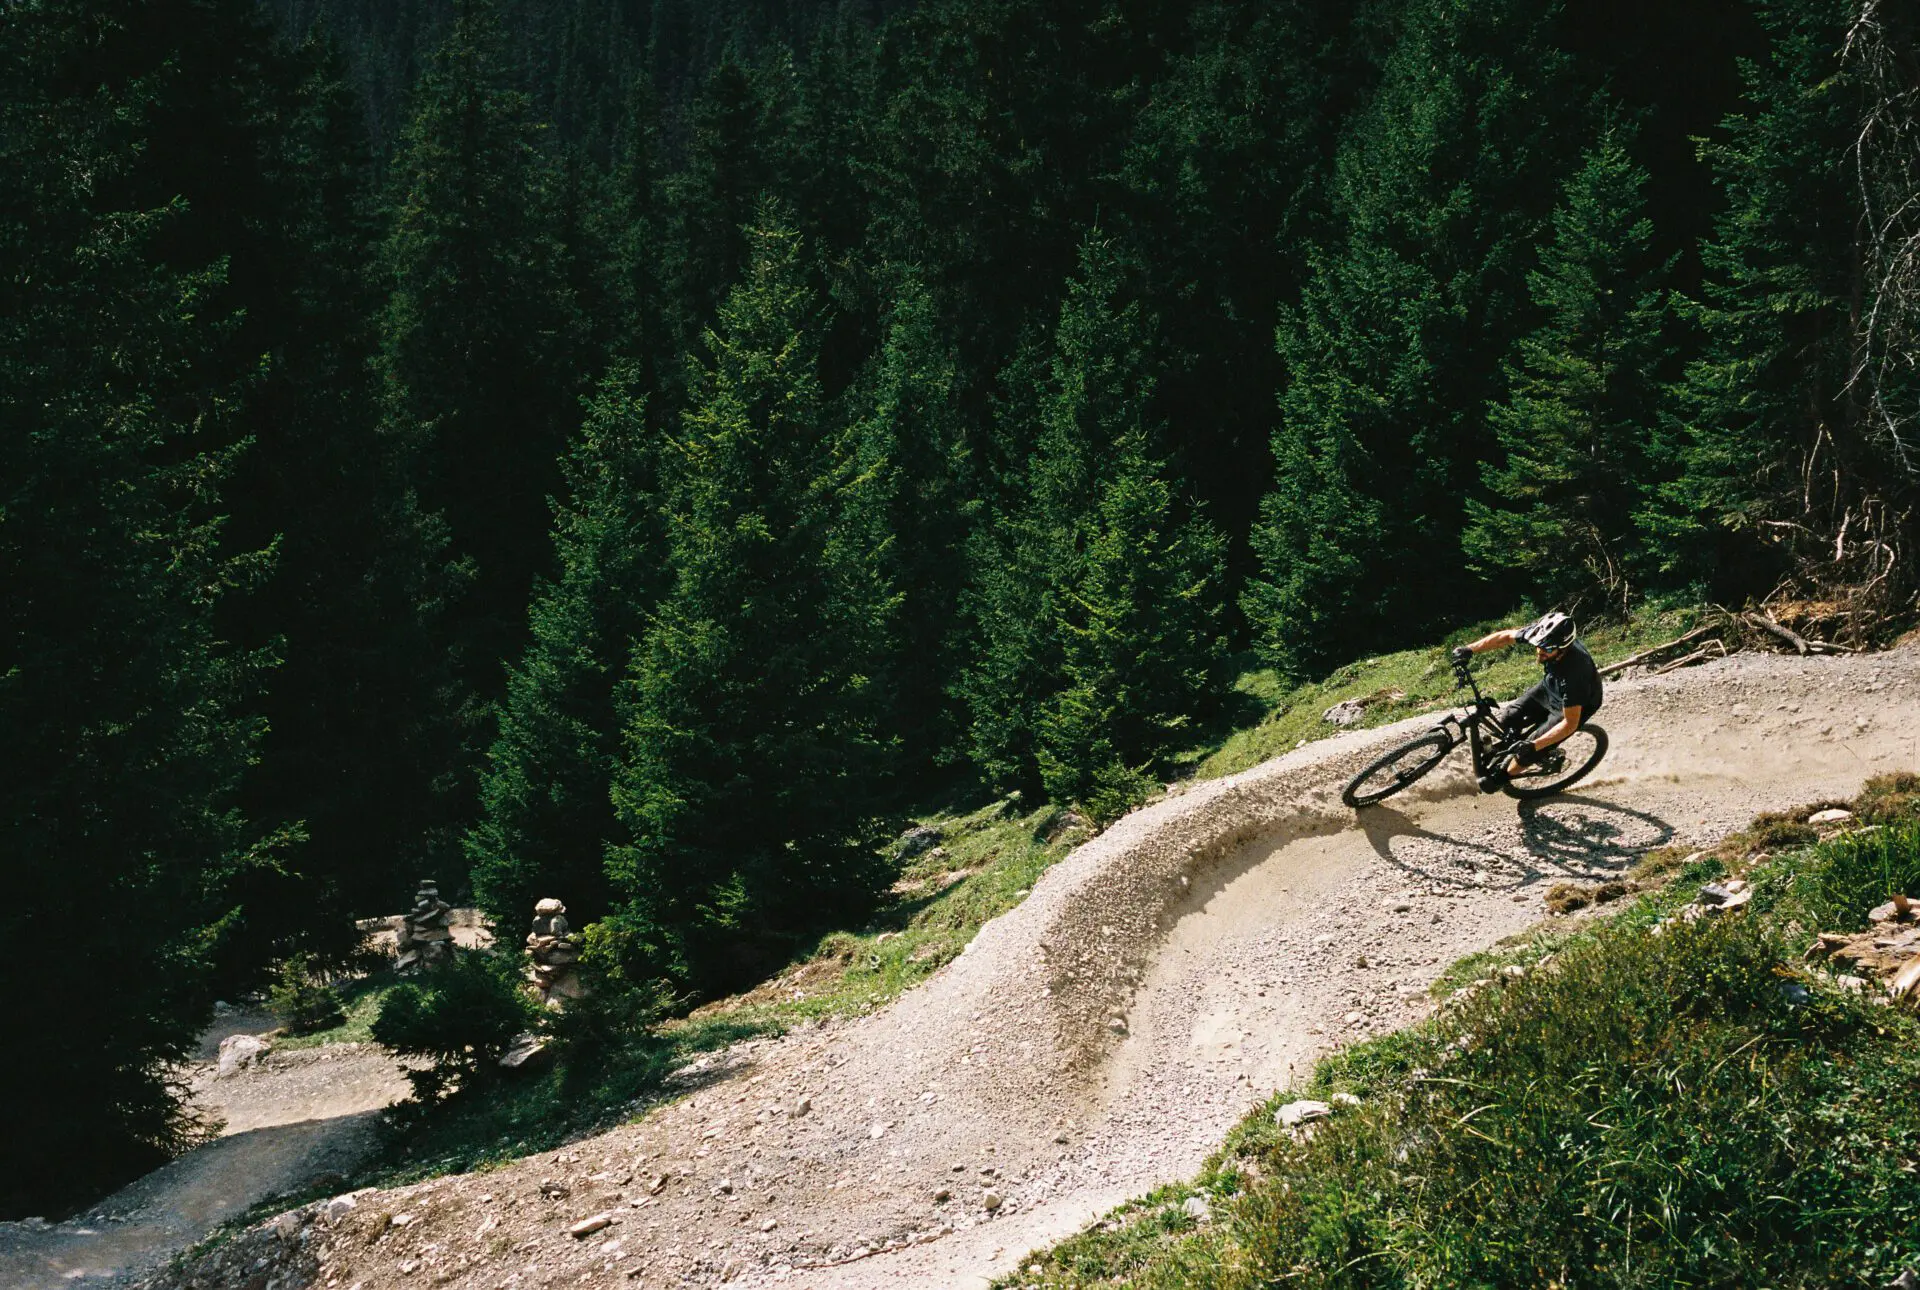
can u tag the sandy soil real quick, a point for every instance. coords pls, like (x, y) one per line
(1103, 1036)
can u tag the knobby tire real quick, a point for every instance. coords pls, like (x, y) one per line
(1421, 755)
(1532, 789)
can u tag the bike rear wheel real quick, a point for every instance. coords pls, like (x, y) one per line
(1397, 769)
(1579, 753)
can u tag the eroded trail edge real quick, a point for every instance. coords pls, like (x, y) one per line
(1103, 1036)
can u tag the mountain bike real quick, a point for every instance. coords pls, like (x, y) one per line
(1492, 744)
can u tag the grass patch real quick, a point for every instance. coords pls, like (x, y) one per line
(1274, 718)
(360, 999)
(1635, 1109)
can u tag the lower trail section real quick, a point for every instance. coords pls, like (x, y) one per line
(1102, 1038)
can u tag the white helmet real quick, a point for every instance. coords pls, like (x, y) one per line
(1550, 631)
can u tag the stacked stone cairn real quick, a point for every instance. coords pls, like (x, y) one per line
(554, 952)
(424, 941)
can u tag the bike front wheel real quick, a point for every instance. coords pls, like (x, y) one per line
(1397, 769)
(1579, 753)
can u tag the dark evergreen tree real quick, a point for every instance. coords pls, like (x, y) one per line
(1093, 591)
(122, 711)
(753, 764)
(1244, 122)
(480, 342)
(354, 711)
(905, 515)
(1440, 188)
(1142, 655)
(1584, 401)
(733, 160)
(546, 811)
(1774, 453)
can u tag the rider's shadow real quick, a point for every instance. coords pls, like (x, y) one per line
(1569, 835)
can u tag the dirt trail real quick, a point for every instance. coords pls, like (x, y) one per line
(1103, 1036)
(291, 1120)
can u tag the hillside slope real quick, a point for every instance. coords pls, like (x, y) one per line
(1104, 1035)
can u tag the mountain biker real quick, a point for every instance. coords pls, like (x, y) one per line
(1568, 694)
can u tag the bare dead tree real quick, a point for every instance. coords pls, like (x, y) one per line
(1880, 56)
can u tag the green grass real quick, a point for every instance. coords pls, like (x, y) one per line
(1273, 718)
(361, 998)
(1643, 1107)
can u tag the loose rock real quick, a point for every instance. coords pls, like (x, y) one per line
(1306, 1111)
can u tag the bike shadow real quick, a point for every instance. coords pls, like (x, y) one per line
(1574, 835)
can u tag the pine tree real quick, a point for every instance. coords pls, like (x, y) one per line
(479, 349)
(123, 712)
(1585, 398)
(1139, 629)
(737, 132)
(752, 764)
(355, 708)
(1439, 189)
(905, 517)
(546, 812)
(1092, 592)
(1772, 452)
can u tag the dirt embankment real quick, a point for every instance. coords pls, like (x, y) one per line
(1103, 1036)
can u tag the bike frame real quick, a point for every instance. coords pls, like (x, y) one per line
(1465, 728)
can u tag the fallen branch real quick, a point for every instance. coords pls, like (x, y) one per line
(1772, 628)
(1646, 654)
(1700, 655)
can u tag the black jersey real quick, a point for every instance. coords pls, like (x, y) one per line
(1573, 681)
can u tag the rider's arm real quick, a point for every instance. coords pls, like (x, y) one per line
(1569, 722)
(1495, 640)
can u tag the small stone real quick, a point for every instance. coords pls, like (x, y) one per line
(1306, 1111)
(554, 1189)
(401, 1220)
(1513, 971)
(1401, 906)
(1355, 1018)
(654, 1187)
(802, 1107)
(725, 1187)
(1832, 816)
(338, 1208)
(1197, 1209)
(1345, 1099)
(878, 1129)
(942, 1195)
(549, 907)
(588, 1226)
(992, 1200)
(769, 1225)
(1118, 1025)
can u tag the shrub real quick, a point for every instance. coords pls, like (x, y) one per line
(462, 1018)
(301, 1001)
(1889, 799)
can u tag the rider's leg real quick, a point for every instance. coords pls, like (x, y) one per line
(1529, 712)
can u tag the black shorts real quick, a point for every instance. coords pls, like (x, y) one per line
(1532, 714)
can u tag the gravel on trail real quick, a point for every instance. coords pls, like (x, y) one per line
(1102, 1037)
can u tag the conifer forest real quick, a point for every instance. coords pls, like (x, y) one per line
(637, 450)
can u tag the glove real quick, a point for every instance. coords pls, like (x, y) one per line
(1525, 753)
(1462, 655)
